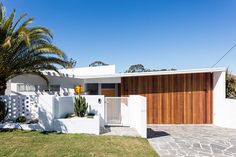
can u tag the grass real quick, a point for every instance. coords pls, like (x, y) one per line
(33, 144)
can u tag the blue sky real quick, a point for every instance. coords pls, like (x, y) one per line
(159, 34)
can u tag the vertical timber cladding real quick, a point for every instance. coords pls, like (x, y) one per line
(174, 99)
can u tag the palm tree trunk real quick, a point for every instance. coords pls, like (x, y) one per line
(3, 86)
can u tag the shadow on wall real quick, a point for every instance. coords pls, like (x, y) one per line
(44, 123)
(59, 126)
(45, 111)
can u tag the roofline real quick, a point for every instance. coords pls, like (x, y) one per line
(189, 71)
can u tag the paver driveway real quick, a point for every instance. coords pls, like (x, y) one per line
(192, 141)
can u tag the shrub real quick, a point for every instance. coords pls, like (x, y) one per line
(230, 86)
(20, 119)
(80, 106)
(3, 111)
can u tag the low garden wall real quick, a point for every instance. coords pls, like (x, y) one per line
(137, 114)
(51, 112)
(65, 105)
(77, 125)
(21, 105)
(225, 117)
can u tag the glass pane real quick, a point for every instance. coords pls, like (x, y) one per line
(55, 88)
(108, 85)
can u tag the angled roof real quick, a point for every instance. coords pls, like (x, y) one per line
(188, 71)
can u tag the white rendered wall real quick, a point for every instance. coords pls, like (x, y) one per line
(67, 84)
(224, 109)
(77, 125)
(103, 80)
(125, 112)
(90, 71)
(229, 114)
(25, 79)
(137, 114)
(218, 98)
(96, 105)
(65, 106)
(46, 103)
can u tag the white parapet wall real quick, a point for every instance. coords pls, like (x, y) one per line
(137, 114)
(78, 125)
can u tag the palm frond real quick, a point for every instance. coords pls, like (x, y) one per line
(26, 50)
(2, 14)
(18, 21)
(9, 22)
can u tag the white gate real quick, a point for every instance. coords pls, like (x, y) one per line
(116, 111)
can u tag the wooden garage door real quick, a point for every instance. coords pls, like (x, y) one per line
(174, 99)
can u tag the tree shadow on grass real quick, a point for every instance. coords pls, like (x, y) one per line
(7, 130)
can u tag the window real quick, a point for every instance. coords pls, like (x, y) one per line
(26, 88)
(35, 88)
(50, 88)
(108, 85)
(55, 88)
(92, 89)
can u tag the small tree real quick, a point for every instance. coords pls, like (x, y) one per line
(136, 68)
(3, 111)
(80, 106)
(230, 86)
(97, 63)
(140, 68)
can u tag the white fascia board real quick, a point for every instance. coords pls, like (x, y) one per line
(206, 70)
(189, 71)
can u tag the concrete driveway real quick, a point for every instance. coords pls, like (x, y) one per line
(189, 140)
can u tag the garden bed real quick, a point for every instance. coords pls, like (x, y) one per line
(22, 126)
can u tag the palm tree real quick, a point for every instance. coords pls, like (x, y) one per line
(25, 50)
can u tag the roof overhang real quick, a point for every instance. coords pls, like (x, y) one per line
(206, 70)
(170, 72)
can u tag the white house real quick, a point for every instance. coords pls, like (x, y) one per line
(195, 96)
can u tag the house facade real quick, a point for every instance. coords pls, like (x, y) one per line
(173, 97)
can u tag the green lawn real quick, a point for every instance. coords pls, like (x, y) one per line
(32, 143)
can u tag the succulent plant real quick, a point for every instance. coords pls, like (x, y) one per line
(80, 106)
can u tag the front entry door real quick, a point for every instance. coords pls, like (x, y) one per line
(109, 92)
